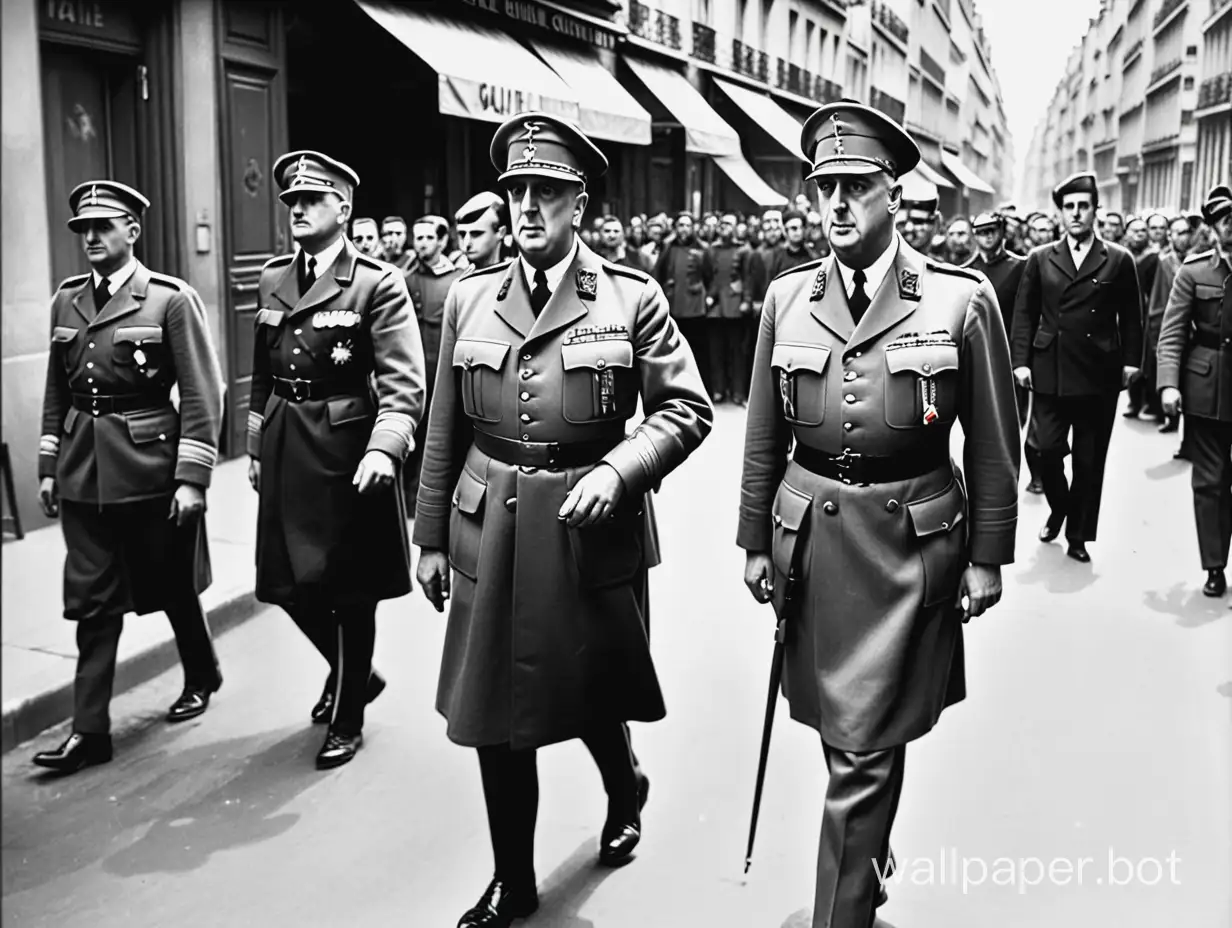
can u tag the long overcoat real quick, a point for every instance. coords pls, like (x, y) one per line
(1195, 340)
(546, 632)
(874, 649)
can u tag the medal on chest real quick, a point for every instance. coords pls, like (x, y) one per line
(342, 352)
(928, 396)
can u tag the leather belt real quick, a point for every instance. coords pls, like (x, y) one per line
(118, 402)
(850, 467)
(1211, 340)
(300, 391)
(544, 453)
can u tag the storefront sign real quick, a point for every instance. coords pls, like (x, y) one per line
(495, 102)
(549, 19)
(106, 24)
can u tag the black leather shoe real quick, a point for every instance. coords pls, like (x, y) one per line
(338, 750)
(1078, 551)
(1171, 424)
(324, 709)
(619, 838)
(192, 703)
(76, 752)
(1216, 583)
(1181, 454)
(499, 905)
(1131, 412)
(1036, 486)
(1049, 532)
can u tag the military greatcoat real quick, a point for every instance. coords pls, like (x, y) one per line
(874, 649)
(337, 372)
(546, 635)
(1195, 341)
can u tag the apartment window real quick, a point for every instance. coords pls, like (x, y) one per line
(793, 32)
(810, 30)
(1191, 51)
(742, 9)
(1189, 83)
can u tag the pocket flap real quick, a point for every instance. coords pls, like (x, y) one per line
(1208, 292)
(1043, 339)
(63, 333)
(158, 425)
(139, 334)
(344, 409)
(789, 356)
(922, 359)
(938, 514)
(270, 316)
(469, 494)
(790, 508)
(471, 352)
(71, 419)
(1198, 364)
(616, 352)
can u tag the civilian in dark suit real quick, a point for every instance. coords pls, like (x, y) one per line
(1077, 341)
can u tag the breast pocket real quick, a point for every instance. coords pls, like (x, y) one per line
(800, 374)
(63, 338)
(919, 377)
(140, 347)
(269, 326)
(939, 524)
(481, 366)
(599, 381)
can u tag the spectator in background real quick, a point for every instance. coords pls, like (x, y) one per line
(1181, 232)
(612, 245)
(1137, 240)
(796, 249)
(685, 270)
(367, 237)
(393, 239)
(729, 360)
(656, 231)
(482, 224)
(1041, 230)
(1157, 230)
(958, 245)
(1112, 227)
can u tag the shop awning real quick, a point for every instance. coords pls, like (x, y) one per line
(481, 73)
(748, 180)
(778, 123)
(963, 174)
(705, 132)
(607, 110)
(932, 175)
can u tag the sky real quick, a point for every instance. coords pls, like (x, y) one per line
(1031, 41)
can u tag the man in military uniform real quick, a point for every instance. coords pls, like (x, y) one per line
(1001, 266)
(729, 358)
(482, 223)
(685, 270)
(393, 239)
(1195, 376)
(337, 391)
(1181, 232)
(866, 359)
(534, 496)
(918, 214)
(122, 467)
(1077, 342)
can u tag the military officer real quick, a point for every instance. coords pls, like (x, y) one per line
(482, 224)
(1001, 266)
(326, 443)
(122, 467)
(1077, 342)
(919, 214)
(865, 360)
(533, 495)
(1195, 376)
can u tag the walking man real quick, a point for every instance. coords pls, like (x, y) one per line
(1077, 342)
(533, 496)
(1195, 377)
(337, 391)
(122, 468)
(865, 360)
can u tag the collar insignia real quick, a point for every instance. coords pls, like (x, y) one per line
(504, 287)
(819, 286)
(587, 283)
(909, 285)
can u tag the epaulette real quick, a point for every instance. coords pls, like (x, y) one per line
(1201, 256)
(490, 269)
(73, 281)
(277, 261)
(621, 270)
(174, 283)
(799, 267)
(373, 263)
(953, 271)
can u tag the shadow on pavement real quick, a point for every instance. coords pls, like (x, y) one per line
(1187, 605)
(1058, 573)
(1225, 689)
(568, 888)
(1172, 467)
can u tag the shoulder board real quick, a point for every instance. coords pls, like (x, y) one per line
(799, 267)
(75, 281)
(499, 266)
(1202, 256)
(277, 261)
(167, 281)
(373, 263)
(954, 271)
(621, 270)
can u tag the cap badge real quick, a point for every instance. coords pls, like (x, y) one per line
(819, 286)
(528, 153)
(94, 194)
(587, 283)
(301, 168)
(838, 139)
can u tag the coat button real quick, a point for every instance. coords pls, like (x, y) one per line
(511, 504)
(525, 357)
(89, 364)
(926, 367)
(850, 397)
(525, 397)
(830, 508)
(601, 364)
(525, 417)
(849, 426)
(850, 375)
(162, 436)
(294, 351)
(91, 345)
(299, 331)
(892, 506)
(526, 375)
(526, 436)
(778, 520)
(945, 526)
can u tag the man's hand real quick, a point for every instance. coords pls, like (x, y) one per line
(737, 287)
(593, 498)
(432, 572)
(376, 472)
(1128, 375)
(1170, 400)
(759, 575)
(981, 587)
(746, 307)
(709, 301)
(1022, 375)
(49, 497)
(187, 505)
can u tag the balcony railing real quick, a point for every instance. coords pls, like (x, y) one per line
(1218, 6)
(703, 42)
(1169, 7)
(890, 20)
(1215, 90)
(894, 108)
(1131, 53)
(931, 68)
(750, 62)
(944, 5)
(654, 25)
(1163, 71)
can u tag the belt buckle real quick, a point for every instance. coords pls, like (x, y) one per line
(845, 462)
(553, 449)
(295, 389)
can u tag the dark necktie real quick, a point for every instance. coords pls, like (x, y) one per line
(308, 275)
(102, 293)
(541, 294)
(859, 299)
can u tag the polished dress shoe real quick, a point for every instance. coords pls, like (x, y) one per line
(1132, 412)
(1171, 424)
(1078, 551)
(1216, 583)
(76, 752)
(619, 838)
(323, 711)
(499, 905)
(338, 749)
(1049, 532)
(192, 703)
(1036, 486)
(1181, 454)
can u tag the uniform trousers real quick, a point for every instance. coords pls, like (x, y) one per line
(1210, 451)
(861, 801)
(345, 636)
(728, 360)
(696, 331)
(1091, 419)
(511, 793)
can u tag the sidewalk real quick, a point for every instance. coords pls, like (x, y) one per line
(39, 646)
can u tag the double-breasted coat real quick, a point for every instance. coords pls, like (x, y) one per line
(351, 346)
(1195, 340)
(874, 649)
(686, 272)
(546, 634)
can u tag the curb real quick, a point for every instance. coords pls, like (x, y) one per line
(37, 713)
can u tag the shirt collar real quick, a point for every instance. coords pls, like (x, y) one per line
(326, 258)
(874, 274)
(554, 274)
(117, 279)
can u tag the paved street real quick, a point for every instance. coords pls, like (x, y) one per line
(1096, 723)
